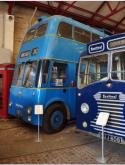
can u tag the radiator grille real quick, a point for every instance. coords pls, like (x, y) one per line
(113, 103)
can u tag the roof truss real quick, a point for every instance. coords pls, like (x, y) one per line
(63, 8)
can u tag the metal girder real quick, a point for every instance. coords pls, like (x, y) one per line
(119, 22)
(70, 5)
(78, 17)
(90, 12)
(42, 7)
(98, 9)
(57, 11)
(10, 7)
(117, 5)
(109, 6)
(112, 13)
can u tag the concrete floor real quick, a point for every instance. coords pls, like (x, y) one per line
(18, 145)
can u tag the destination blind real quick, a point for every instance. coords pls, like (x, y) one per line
(116, 43)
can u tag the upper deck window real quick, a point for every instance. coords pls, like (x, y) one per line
(41, 30)
(30, 35)
(92, 69)
(81, 35)
(69, 31)
(35, 33)
(65, 30)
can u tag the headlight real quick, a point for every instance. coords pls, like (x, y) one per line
(29, 110)
(85, 108)
(10, 104)
(29, 118)
(84, 124)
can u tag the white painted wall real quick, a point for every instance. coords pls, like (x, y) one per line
(1, 30)
(8, 32)
(6, 38)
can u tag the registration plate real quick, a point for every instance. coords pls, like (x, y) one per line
(113, 138)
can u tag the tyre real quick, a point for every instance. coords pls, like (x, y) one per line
(55, 118)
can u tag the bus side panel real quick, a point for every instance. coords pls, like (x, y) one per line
(24, 98)
(52, 47)
(53, 96)
(64, 49)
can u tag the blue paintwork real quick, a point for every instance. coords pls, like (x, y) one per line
(50, 46)
(88, 96)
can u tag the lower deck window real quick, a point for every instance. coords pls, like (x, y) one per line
(59, 73)
(118, 66)
(92, 69)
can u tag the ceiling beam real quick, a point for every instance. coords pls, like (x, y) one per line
(10, 7)
(112, 13)
(60, 4)
(98, 9)
(117, 5)
(90, 12)
(78, 17)
(70, 5)
(109, 6)
(116, 26)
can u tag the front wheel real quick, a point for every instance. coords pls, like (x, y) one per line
(55, 118)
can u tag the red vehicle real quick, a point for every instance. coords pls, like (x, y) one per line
(6, 75)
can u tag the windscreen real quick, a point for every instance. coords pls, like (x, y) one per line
(25, 74)
(18, 75)
(31, 74)
(92, 69)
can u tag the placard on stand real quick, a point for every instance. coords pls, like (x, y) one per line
(38, 112)
(102, 121)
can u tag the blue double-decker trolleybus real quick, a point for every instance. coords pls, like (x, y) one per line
(101, 87)
(45, 72)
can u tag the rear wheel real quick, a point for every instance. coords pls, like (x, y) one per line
(55, 118)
